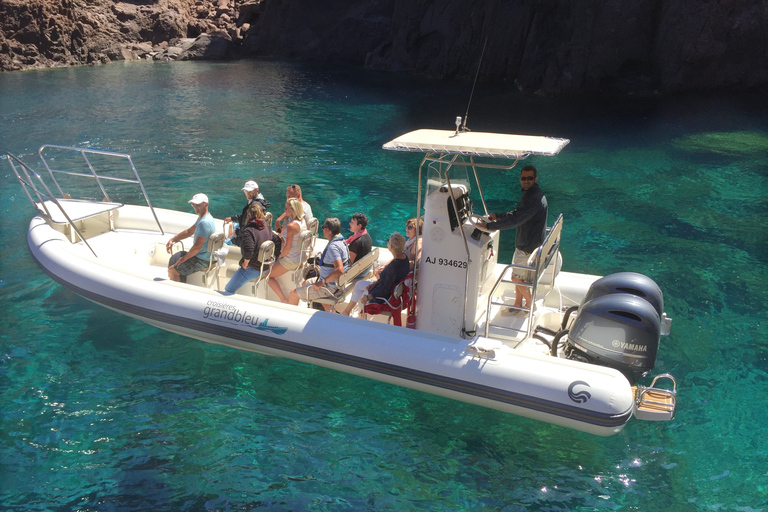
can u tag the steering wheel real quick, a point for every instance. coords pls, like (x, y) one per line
(475, 219)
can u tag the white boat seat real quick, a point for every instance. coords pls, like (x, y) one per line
(542, 274)
(267, 258)
(306, 239)
(360, 269)
(208, 276)
(76, 209)
(313, 225)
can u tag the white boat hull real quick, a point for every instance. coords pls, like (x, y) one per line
(585, 397)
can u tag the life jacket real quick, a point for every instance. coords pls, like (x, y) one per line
(338, 239)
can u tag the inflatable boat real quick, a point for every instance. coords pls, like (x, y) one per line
(575, 356)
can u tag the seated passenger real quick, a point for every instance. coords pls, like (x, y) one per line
(378, 291)
(360, 242)
(413, 244)
(255, 233)
(252, 194)
(332, 263)
(294, 191)
(290, 253)
(184, 263)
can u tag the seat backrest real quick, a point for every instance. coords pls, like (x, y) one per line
(215, 242)
(547, 255)
(305, 249)
(312, 225)
(266, 253)
(402, 292)
(268, 219)
(266, 256)
(358, 267)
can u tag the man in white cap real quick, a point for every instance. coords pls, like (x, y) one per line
(252, 194)
(196, 259)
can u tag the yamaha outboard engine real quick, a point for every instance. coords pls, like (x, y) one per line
(628, 282)
(618, 325)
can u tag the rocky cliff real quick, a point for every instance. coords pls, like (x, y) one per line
(555, 47)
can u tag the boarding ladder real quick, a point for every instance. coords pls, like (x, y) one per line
(655, 403)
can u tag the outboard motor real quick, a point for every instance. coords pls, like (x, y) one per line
(628, 282)
(619, 331)
(619, 324)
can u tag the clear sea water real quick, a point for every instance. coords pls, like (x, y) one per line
(103, 413)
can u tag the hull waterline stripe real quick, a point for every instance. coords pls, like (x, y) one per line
(400, 372)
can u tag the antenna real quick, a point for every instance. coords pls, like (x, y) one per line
(464, 127)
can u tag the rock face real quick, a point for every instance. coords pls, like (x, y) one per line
(553, 47)
(556, 47)
(45, 33)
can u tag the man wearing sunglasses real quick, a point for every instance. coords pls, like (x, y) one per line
(530, 219)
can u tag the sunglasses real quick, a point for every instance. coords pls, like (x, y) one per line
(527, 178)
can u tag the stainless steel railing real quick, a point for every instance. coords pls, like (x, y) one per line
(42, 197)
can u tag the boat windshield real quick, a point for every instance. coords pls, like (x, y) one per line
(440, 171)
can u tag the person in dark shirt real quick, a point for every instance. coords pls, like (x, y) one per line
(252, 194)
(253, 234)
(378, 291)
(530, 219)
(360, 242)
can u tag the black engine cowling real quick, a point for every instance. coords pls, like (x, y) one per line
(618, 325)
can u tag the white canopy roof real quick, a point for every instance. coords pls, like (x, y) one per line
(496, 145)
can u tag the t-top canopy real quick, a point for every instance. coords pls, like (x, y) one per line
(495, 145)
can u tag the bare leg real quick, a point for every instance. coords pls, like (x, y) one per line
(349, 308)
(521, 292)
(293, 297)
(173, 274)
(277, 271)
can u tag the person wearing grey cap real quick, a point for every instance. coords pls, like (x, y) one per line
(184, 263)
(252, 194)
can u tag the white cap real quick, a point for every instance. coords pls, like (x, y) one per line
(199, 199)
(250, 186)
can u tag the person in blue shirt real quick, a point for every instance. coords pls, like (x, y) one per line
(333, 263)
(184, 263)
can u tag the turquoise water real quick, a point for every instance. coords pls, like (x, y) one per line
(101, 412)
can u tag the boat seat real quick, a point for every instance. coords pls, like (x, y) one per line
(543, 267)
(208, 276)
(360, 269)
(312, 225)
(306, 239)
(394, 305)
(267, 258)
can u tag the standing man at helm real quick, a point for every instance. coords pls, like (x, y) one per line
(184, 263)
(530, 219)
